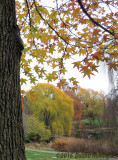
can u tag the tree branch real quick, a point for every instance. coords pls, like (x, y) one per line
(92, 20)
(48, 23)
(29, 13)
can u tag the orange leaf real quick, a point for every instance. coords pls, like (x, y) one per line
(96, 55)
(59, 85)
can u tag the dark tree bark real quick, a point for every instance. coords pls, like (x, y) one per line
(11, 127)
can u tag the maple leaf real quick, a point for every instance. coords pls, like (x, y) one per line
(72, 79)
(49, 77)
(36, 68)
(34, 29)
(113, 65)
(33, 80)
(59, 85)
(23, 81)
(96, 32)
(105, 37)
(96, 55)
(86, 71)
(77, 64)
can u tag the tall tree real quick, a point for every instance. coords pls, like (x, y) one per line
(111, 108)
(52, 106)
(77, 108)
(112, 99)
(11, 127)
(77, 104)
(93, 105)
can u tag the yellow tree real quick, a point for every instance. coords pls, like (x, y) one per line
(52, 106)
(92, 104)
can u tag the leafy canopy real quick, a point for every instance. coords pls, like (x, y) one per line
(85, 31)
(77, 104)
(92, 104)
(52, 106)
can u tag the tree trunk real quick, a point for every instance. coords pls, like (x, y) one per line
(11, 126)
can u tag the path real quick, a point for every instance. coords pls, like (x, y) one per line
(38, 150)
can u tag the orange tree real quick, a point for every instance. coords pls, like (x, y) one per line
(77, 107)
(86, 29)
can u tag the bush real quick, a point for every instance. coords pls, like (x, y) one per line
(59, 144)
(32, 137)
(84, 146)
(36, 130)
(69, 144)
(27, 139)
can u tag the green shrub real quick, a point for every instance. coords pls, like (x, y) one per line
(34, 137)
(36, 130)
(27, 139)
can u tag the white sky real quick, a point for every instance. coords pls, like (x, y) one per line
(98, 82)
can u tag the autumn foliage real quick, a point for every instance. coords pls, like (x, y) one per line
(77, 104)
(84, 31)
(52, 106)
(92, 104)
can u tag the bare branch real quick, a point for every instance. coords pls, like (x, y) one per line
(29, 13)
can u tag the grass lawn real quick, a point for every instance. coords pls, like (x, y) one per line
(34, 155)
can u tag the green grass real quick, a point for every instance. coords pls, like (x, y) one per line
(33, 155)
(95, 122)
